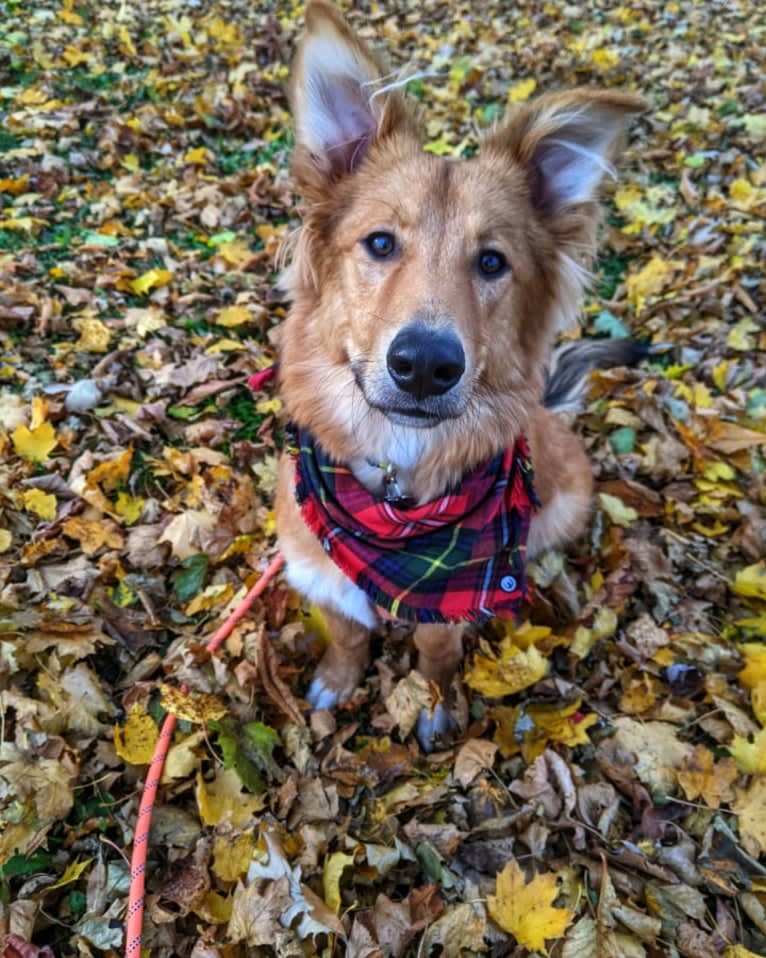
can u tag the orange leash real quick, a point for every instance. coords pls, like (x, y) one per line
(135, 915)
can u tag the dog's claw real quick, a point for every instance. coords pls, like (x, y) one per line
(320, 697)
(433, 724)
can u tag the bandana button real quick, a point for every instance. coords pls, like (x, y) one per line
(326, 544)
(508, 583)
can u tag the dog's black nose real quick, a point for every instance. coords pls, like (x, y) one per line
(425, 362)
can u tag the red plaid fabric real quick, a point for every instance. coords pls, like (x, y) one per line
(460, 557)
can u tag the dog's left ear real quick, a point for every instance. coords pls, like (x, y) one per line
(566, 142)
(339, 104)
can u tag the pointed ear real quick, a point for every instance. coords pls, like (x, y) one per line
(567, 142)
(338, 100)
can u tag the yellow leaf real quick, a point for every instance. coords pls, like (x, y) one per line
(199, 156)
(129, 507)
(198, 707)
(224, 346)
(235, 253)
(604, 626)
(526, 910)
(16, 186)
(699, 776)
(758, 702)
(618, 512)
(73, 56)
(750, 756)
(150, 279)
(268, 406)
(333, 869)
(182, 758)
(234, 316)
(40, 503)
(716, 469)
(6, 539)
(440, 147)
(754, 672)
(232, 858)
(515, 669)
(214, 908)
(750, 809)
(135, 743)
(271, 236)
(94, 335)
(93, 534)
(212, 596)
(740, 335)
(131, 162)
(112, 472)
(68, 15)
(751, 581)
(34, 444)
(72, 873)
(649, 281)
(522, 90)
(739, 951)
(604, 59)
(222, 800)
(743, 194)
(720, 374)
(529, 728)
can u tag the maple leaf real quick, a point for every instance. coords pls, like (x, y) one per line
(751, 581)
(150, 279)
(34, 444)
(511, 671)
(136, 741)
(526, 909)
(40, 503)
(699, 775)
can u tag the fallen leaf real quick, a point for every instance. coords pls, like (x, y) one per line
(526, 909)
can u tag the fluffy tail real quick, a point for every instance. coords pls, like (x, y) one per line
(571, 364)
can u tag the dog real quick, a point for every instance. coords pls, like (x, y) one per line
(426, 294)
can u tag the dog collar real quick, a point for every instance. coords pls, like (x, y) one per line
(392, 491)
(458, 557)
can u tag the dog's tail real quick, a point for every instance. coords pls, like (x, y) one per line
(571, 364)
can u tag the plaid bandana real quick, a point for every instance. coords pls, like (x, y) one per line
(456, 558)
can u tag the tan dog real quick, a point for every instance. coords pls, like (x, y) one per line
(426, 294)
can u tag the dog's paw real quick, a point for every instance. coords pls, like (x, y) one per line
(434, 724)
(319, 696)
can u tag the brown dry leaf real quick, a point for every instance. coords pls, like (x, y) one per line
(474, 757)
(256, 912)
(408, 697)
(656, 750)
(460, 928)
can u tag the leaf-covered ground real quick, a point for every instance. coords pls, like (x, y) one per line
(608, 796)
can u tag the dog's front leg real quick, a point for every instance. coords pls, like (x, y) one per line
(440, 649)
(344, 663)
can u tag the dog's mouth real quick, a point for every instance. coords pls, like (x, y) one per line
(403, 410)
(419, 418)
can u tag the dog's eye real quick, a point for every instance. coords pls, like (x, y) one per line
(380, 244)
(491, 262)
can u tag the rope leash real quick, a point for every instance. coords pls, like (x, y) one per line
(135, 914)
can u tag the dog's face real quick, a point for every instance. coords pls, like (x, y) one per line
(427, 290)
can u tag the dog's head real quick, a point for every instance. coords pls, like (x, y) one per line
(427, 291)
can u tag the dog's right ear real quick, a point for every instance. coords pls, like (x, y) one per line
(339, 99)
